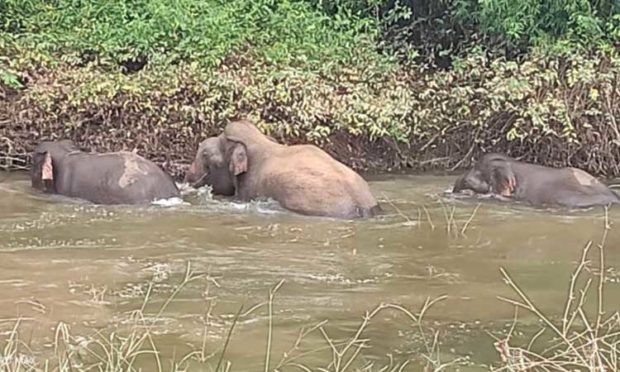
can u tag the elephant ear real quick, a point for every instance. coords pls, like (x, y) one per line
(47, 173)
(503, 179)
(238, 159)
(43, 163)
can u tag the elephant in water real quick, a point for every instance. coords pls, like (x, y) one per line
(303, 178)
(535, 184)
(106, 178)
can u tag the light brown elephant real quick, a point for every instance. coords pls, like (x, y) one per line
(303, 178)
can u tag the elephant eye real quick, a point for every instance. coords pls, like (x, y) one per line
(208, 156)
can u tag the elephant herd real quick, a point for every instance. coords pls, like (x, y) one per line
(245, 164)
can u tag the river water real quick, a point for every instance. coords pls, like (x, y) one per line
(91, 266)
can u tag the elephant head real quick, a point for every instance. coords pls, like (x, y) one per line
(493, 173)
(44, 160)
(216, 164)
(219, 160)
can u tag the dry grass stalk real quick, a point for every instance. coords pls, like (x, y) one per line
(130, 350)
(578, 342)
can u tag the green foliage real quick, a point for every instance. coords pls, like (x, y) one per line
(315, 35)
(9, 79)
(533, 21)
(555, 111)
(169, 32)
(446, 26)
(319, 70)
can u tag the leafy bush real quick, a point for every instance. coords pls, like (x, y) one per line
(161, 32)
(319, 71)
(552, 111)
(535, 21)
(436, 28)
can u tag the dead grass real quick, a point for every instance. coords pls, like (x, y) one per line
(580, 340)
(135, 346)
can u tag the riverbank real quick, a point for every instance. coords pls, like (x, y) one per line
(554, 112)
(160, 77)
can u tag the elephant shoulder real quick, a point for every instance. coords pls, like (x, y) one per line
(310, 150)
(135, 168)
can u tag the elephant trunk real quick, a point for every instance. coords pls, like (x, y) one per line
(459, 184)
(193, 176)
(189, 174)
(371, 212)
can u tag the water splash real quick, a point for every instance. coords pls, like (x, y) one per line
(170, 202)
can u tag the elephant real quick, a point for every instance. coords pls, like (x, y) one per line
(244, 163)
(538, 185)
(59, 167)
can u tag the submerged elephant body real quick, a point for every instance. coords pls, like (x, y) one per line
(102, 178)
(535, 184)
(302, 178)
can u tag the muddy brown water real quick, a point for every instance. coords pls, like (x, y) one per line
(90, 267)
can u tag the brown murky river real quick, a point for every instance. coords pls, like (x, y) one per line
(90, 267)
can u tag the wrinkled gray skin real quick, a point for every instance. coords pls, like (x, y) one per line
(302, 178)
(106, 178)
(535, 184)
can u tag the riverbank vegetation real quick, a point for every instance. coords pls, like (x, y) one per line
(380, 84)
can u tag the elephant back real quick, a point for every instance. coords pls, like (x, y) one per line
(307, 180)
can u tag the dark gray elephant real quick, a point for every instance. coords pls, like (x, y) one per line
(535, 184)
(105, 178)
(303, 178)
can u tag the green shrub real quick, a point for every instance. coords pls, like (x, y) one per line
(318, 71)
(163, 32)
(436, 28)
(552, 111)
